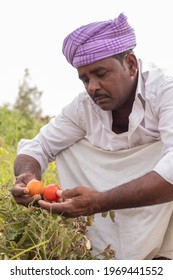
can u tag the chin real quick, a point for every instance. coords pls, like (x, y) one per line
(105, 107)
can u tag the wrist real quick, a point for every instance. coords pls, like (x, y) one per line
(25, 178)
(25, 165)
(103, 202)
(20, 176)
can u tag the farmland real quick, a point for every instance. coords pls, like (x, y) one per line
(32, 233)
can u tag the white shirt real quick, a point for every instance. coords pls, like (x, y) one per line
(137, 233)
(151, 120)
(150, 123)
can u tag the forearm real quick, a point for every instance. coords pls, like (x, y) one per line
(25, 164)
(149, 189)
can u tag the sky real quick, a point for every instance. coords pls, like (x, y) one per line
(32, 34)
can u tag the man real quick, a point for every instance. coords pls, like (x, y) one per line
(113, 145)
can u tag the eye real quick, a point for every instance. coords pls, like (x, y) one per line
(101, 74)
(85, 82)
(84, 79)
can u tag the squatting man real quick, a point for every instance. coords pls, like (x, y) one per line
(113, 145)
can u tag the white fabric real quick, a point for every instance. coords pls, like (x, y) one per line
(138, 233)
(151, 120)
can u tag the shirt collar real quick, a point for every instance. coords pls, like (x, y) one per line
(140, 90)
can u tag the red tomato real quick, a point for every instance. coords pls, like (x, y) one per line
(50, 192)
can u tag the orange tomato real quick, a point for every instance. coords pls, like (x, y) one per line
(35, 187)
(50, 192)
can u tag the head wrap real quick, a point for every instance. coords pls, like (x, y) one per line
(98, 40)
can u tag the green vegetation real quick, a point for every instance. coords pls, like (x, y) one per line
(32, 233)
(29, 97)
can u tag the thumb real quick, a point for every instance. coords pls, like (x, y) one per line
(66, 194)
(59, 193)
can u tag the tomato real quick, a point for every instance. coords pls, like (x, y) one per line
(50, 192)
(35, 187)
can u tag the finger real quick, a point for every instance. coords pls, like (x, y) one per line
(58, 208)
(27, 199)
(25, 178)
(46, 205)
(19, 190)
(61, 196)
(68, 193)
(24, 200)
(59, 193)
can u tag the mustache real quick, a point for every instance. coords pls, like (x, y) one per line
(96, 96)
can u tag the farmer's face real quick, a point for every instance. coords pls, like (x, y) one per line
(109, 82)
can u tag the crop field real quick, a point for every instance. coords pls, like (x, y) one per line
(32, 233)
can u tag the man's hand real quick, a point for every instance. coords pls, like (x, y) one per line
(20, 191)
(79, 201)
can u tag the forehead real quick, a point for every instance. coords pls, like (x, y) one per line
(96, 66)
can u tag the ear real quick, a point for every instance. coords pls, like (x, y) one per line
(132, 63)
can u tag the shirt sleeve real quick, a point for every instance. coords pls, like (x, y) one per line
(61, 132)
(164, 110)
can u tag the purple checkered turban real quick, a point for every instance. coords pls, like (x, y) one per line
(98, 40)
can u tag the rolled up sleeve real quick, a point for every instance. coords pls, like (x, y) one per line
(61, 132)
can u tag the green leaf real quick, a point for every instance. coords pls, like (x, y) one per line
(104, 214)
(112, 215)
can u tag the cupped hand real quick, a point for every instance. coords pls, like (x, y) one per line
(20, 191)
(79, 201)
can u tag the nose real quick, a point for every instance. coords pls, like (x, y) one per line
(93, 86)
